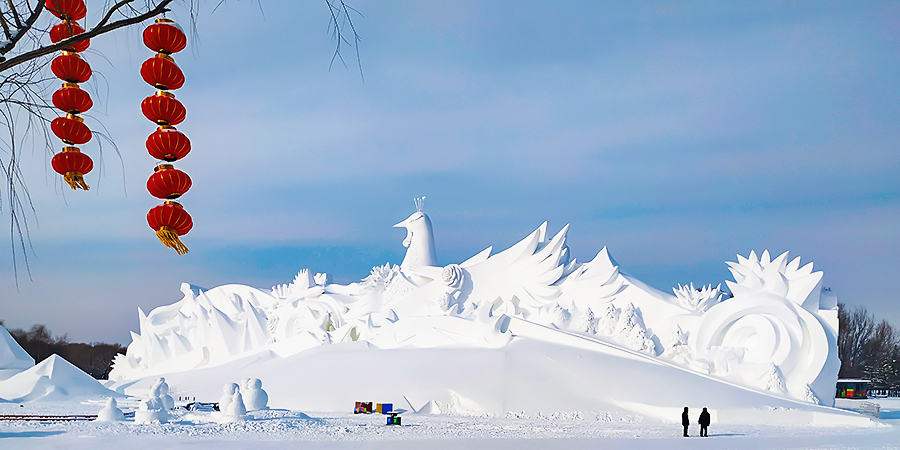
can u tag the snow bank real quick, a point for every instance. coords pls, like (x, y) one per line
(13, 358)
(53, 379)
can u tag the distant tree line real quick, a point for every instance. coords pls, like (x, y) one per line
(868, 349)
(94, 358)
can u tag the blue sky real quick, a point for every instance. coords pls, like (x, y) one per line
(676, 134)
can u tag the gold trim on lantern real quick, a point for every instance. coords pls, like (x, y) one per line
(75, 180)
(165, 56)
(70, 85)
(71, 149)
(74, 117)
(69, 52)
(164, 20)
(165, 127)
(173, 203)
(169, 237)
(165, 94)
(163, 167)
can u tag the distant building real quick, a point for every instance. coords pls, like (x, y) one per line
(852, 388)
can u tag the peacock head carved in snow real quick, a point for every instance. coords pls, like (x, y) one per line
(419, 240)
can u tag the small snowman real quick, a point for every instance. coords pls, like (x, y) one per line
(167, 400)
(227, 393)
(110, 412)
(255, 397)
(151, 409)
(236, 411)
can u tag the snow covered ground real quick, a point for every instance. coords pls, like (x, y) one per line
(272, 429)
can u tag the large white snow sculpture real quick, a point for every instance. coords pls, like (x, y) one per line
(53, 379)
(777, 317)
(255, 397)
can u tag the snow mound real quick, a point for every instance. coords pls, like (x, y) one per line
(13, 358)
(53, 379)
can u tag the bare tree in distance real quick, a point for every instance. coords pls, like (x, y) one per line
(25, 110)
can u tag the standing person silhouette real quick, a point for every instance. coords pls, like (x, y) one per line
(685, 420)
(704, 423)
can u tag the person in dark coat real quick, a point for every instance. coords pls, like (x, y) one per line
(704, 423)
(685, 420)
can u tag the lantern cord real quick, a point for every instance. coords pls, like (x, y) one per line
(76, 180)
(169, 237)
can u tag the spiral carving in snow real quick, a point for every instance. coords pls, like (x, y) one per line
(772, 319)
(452, 276)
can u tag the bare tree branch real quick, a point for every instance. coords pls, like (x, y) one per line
(22, 31)
(96, 31)
(15, 13)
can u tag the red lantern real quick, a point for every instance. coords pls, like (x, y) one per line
(161, 72)
(71, 68)
(167, 182)
(163, 109)
(170, 221)
(168, 144)
(66, 30)
(71, 129)
(67, 9)
(72, 99)
(73, 165)
(165, 36)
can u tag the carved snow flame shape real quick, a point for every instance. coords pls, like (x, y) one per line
(452, 276)
(698, 299)
(771, 320)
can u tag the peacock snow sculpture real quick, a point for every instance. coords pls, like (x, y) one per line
(777, 318)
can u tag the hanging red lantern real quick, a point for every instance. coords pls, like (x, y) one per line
(72, 99)
(71, 68)
(161, 72)
(170, 221)
(165, 36)
(67, 9)
(67, 29)
(71, 129)
(168, 144)
(167, 182)
(73, 166)
(163, 109)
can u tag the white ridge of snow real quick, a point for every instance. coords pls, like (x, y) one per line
(13, 358)
(53, 379)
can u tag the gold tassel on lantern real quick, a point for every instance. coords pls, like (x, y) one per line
(76, 180)
(169, 238)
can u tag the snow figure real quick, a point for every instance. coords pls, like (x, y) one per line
(609, 320)
(151, 409)
(228, 392)
(678, 349)
(419, 240)
(810, 396)
(110, 412)
(699, 299)
(630, 331)
(587, 323)
(255, 397)
(773, 380)
(236, 410)
(166, 399)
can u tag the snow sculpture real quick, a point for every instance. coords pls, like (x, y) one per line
(167, 401)
(228, 392)
(152, 409)
(777, 314)
(698, 299)
(777, 317)
(255, 397)
(419, 240)
(236, 410)
(111, 412)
